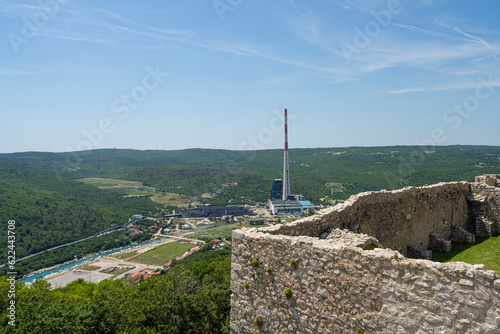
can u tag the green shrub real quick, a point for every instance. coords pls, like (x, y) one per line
(268, 269)
(288, 293)
(258, 321)
(293, 263)
(256, 262)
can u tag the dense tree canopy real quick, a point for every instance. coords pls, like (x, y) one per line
(187, 299)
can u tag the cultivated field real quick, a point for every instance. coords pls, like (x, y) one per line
(173, 199)
(136, 188)
(128, 187)
(122, 256)
(159, 256)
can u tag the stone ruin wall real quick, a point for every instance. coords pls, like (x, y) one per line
(396, 218)
(485, 205)
(339, 285)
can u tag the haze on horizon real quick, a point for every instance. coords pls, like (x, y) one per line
(167, 75)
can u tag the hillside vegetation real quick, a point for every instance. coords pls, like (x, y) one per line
(45, 195)
(57, 198)
(192, 298)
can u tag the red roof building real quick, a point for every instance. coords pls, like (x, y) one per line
(135, 276)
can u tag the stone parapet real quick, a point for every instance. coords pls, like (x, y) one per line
(345, 270)
(353, 239)
(492, 180)
(309, 285)
(395, 218)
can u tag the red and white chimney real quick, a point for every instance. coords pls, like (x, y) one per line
(286, 174)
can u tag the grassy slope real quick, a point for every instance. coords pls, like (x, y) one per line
(485, 251)
(220, 232)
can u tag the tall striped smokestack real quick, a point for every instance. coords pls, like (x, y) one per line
(286, 174)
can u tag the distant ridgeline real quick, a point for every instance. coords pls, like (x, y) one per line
(335, 173)
(40, 191)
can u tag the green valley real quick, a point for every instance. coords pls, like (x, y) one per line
(57, 198)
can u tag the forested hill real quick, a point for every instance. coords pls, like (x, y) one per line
(49, 211)
(41, 192)
(316, 173)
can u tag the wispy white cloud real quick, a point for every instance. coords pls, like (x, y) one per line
(16, 9)
(425, 31)
(475, 39)
(83, 23)
(428, 55)
(73, 37)
(339, 74)
(468, 37)
(466, 85)
(194, 39)
(360, 5)
(105, 27)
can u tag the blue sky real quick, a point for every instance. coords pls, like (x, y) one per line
(218, 73)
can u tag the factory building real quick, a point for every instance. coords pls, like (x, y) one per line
(217, 211)
(277, 190)
(289, 207)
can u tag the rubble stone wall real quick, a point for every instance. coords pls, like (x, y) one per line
(485, 199)
(330, 287)
(396, 218)
(285, 279)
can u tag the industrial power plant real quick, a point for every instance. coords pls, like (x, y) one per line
(281, 201)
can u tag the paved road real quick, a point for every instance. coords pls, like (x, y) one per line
(77, 241)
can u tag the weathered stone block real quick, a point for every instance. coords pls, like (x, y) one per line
(439, 244)
(491, 180)
(417, 252)
(485, 227)
(458, 234)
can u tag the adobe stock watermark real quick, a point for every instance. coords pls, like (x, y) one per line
(32, 25)
(11, 272)
(120, 109)
(454, 118)
(266, 135)
(372, 29)
(223, 6)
